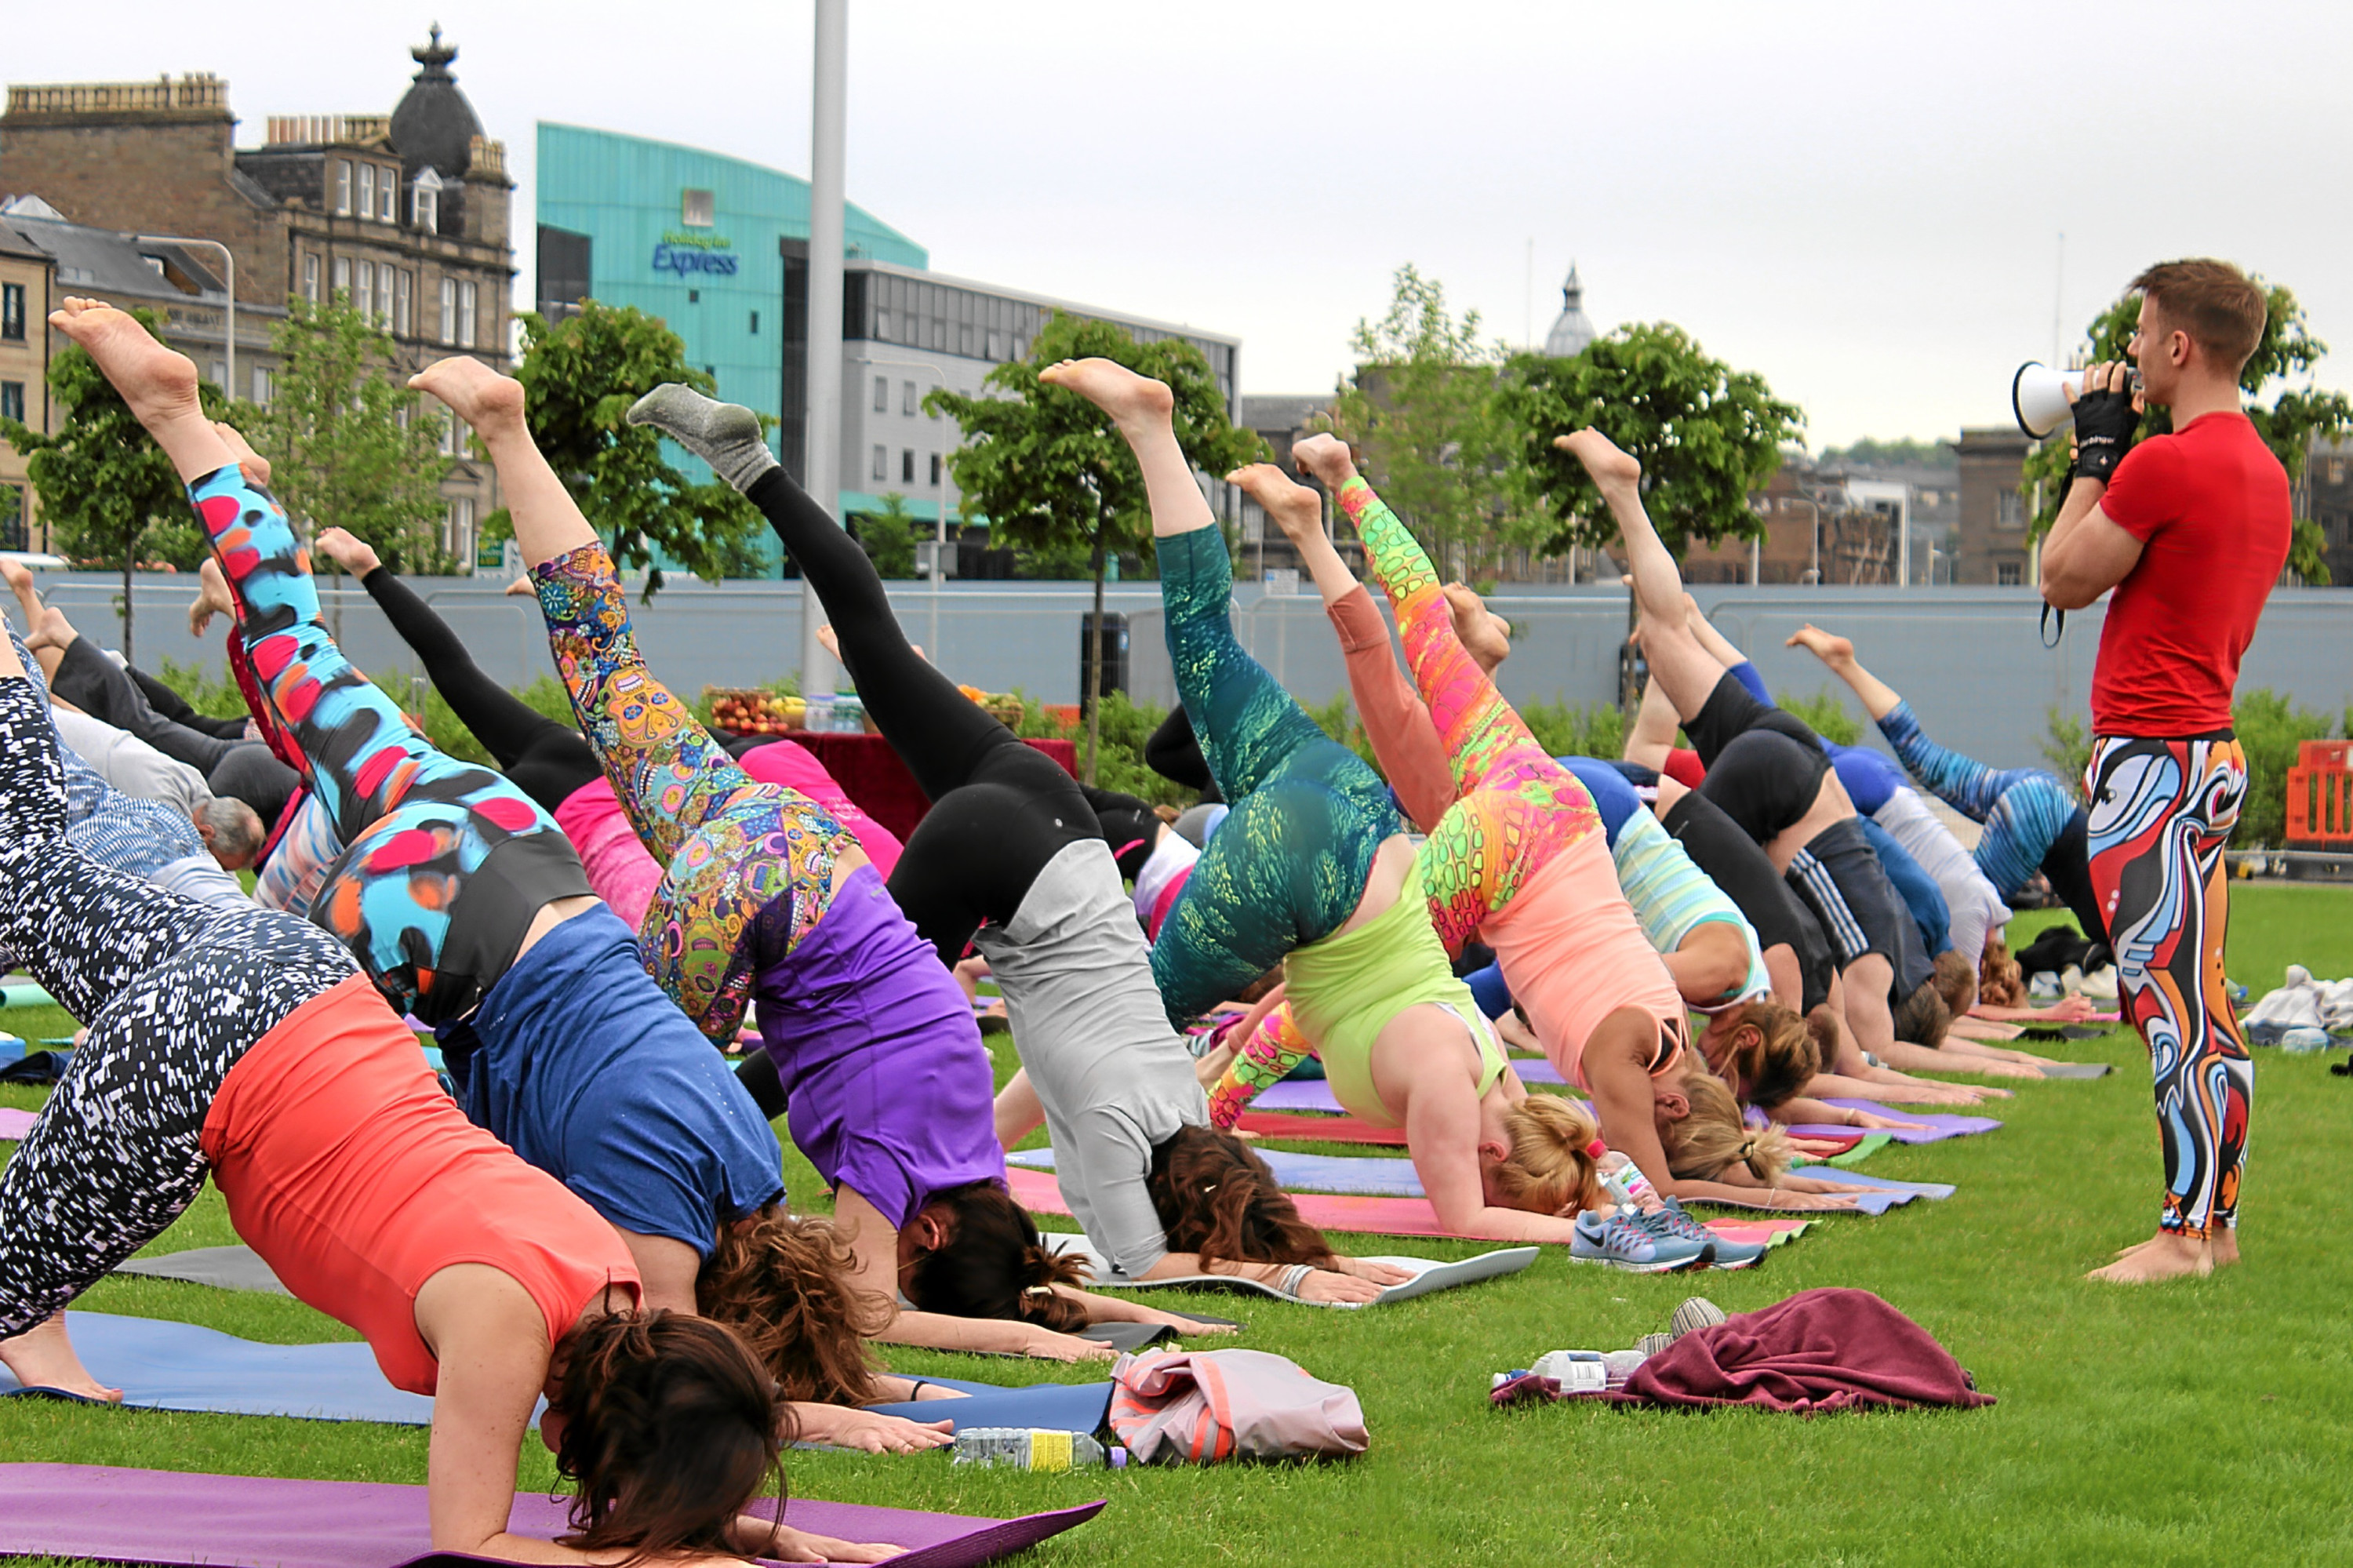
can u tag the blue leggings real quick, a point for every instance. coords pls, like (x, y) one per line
(416, 896)
(1289, 865)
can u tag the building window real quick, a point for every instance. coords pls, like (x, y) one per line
(12, 400)
(263, 390)
(383, 276)
(468, 294)
(367, 190)
(882, 325)
(400, 302)
(12, 311)
(310, 278)
(11, 518)
(696, 209)
(882, 464)
(907, 466)
(2009, 574)
(694, 296)
(881, 394)
(449, 310)
(963, 339)
(936, 468)
(424, 203)
(457, 533)
(2010, 511)
(756, 323)
(387, 200)
(996, 346)
(344, 279)
(364, 293)
(343, 188)
(449, 443)
(907, 399)
(218, 373)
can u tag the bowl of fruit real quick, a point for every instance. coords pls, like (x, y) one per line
(1003, 707)
(750, 711)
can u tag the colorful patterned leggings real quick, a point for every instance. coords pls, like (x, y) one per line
(424, 830)
(747, 867)
(2161, 812)
(173, 992)
(1289, 863)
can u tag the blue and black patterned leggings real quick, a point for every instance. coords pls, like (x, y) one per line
(2025, 811)
(173, 993)
(447, 862)
(1289, 865)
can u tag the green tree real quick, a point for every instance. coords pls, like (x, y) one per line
(109, 495)
(1904, 453)
(1422, 407)
(1706, 435)
(888, 537)
(579, 377)
(2289, 423)
(1049, 471)
(349, 445)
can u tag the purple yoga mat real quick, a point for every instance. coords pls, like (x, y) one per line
(15, 1123)
(1940, 1127)
(236, 1521)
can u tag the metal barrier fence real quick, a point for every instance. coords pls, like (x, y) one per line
(1968, 659)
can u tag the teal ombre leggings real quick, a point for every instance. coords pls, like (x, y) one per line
(1289, 865)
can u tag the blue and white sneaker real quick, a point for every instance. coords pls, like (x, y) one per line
(1671, 1221)
(1622, 1241)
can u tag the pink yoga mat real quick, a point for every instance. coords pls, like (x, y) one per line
(1321, 1130)
(15, 1123)
(1037, 1191)
(237, 1522)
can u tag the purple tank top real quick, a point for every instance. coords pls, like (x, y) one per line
(889, 1088)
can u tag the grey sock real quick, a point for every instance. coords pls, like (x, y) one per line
(724, 435)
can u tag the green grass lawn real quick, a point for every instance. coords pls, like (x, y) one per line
(2196, 1422)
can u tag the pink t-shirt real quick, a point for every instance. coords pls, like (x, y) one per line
(625, 876)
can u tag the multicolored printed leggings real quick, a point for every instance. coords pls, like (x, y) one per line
(2161, 812)
(747, 867)
(2024, 810)
(420, 828)
(1514, 806)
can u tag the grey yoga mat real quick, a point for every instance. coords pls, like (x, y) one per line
(1428, 1274)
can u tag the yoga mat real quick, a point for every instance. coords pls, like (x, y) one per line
(236, 1521)
(237, 1268)
(2077, 1070)
(1036, 1190)
(24, 993)
(1055, 1406)
(15, 1123)
(1934, 1189)
(1316, 1094)
(1429, 1276)
(1861, 1148)
(1940, 1126)
(1129, 1337)
(1321, 1130)
(178, 1366)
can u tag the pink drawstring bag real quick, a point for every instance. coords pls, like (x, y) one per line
(1170, 1406)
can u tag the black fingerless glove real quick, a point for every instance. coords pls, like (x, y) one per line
(2106, 423)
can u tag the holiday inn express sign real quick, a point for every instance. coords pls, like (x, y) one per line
(690, 254)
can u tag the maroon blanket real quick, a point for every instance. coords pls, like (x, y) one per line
(1819, 1349)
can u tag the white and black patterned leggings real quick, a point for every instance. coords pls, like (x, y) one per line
(173, 993)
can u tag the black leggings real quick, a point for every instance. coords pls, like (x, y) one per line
(174, 993)
(1732, 861)
(544, 758)
(1129, 825)
(93, 682)
(173, 706)
(1001, 809)
(1173, 752)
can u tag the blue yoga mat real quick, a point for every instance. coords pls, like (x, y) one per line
(1844, 1178)
(160, 1365)
(1056, 1406)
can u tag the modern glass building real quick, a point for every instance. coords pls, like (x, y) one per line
(719, 248)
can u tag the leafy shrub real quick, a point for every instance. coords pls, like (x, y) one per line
(1576, 729)
(1826, 711)
(2270, 727)
(2067, 745)
(206, 688)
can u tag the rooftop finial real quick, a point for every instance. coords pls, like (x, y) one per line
(434, 57)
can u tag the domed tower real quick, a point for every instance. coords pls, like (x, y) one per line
(442, 148)
(1570, 330)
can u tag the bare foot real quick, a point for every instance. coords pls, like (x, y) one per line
(1296, 510)
(520, 585)
(251, 463)
(1610, 465)
(19, 578)
(158, 385)
(1484, 635)
(829, 641)
(1822, 645)
(347, 550)
(43, 1357)
(2162, 1257)
(474, 392)
(1129, 399)
(2223, 1245)
(1327, 456)
(49, 628)
(213, 598)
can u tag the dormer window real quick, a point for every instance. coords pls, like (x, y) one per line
(367, 190)
(425, 202)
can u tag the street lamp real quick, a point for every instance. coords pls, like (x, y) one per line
(940, 491)
(228, 265)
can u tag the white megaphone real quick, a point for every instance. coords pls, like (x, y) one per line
(2040, 397)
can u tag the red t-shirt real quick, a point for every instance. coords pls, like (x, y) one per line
(2210, 505)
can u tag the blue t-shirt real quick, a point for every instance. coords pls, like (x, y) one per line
(585, 1069)
(1913, 884)
(1870, 778)
(1613, 797)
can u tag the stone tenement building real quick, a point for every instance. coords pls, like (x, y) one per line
(408, 214)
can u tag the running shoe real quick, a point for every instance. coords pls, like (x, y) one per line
(1622, 1241)
(1671, 1221)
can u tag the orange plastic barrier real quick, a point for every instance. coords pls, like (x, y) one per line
(2320, 796)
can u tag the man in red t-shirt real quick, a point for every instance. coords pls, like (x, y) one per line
(2190, 530)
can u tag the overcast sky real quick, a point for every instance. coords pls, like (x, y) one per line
(1861, 202)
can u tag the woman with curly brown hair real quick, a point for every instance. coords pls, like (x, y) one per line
(1012, 859)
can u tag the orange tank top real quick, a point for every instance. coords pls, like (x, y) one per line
(358, 1180)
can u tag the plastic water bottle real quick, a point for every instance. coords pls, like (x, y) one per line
(848, 713)
(1579, 1371)
(1624, 1182)
(1034, 1448)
